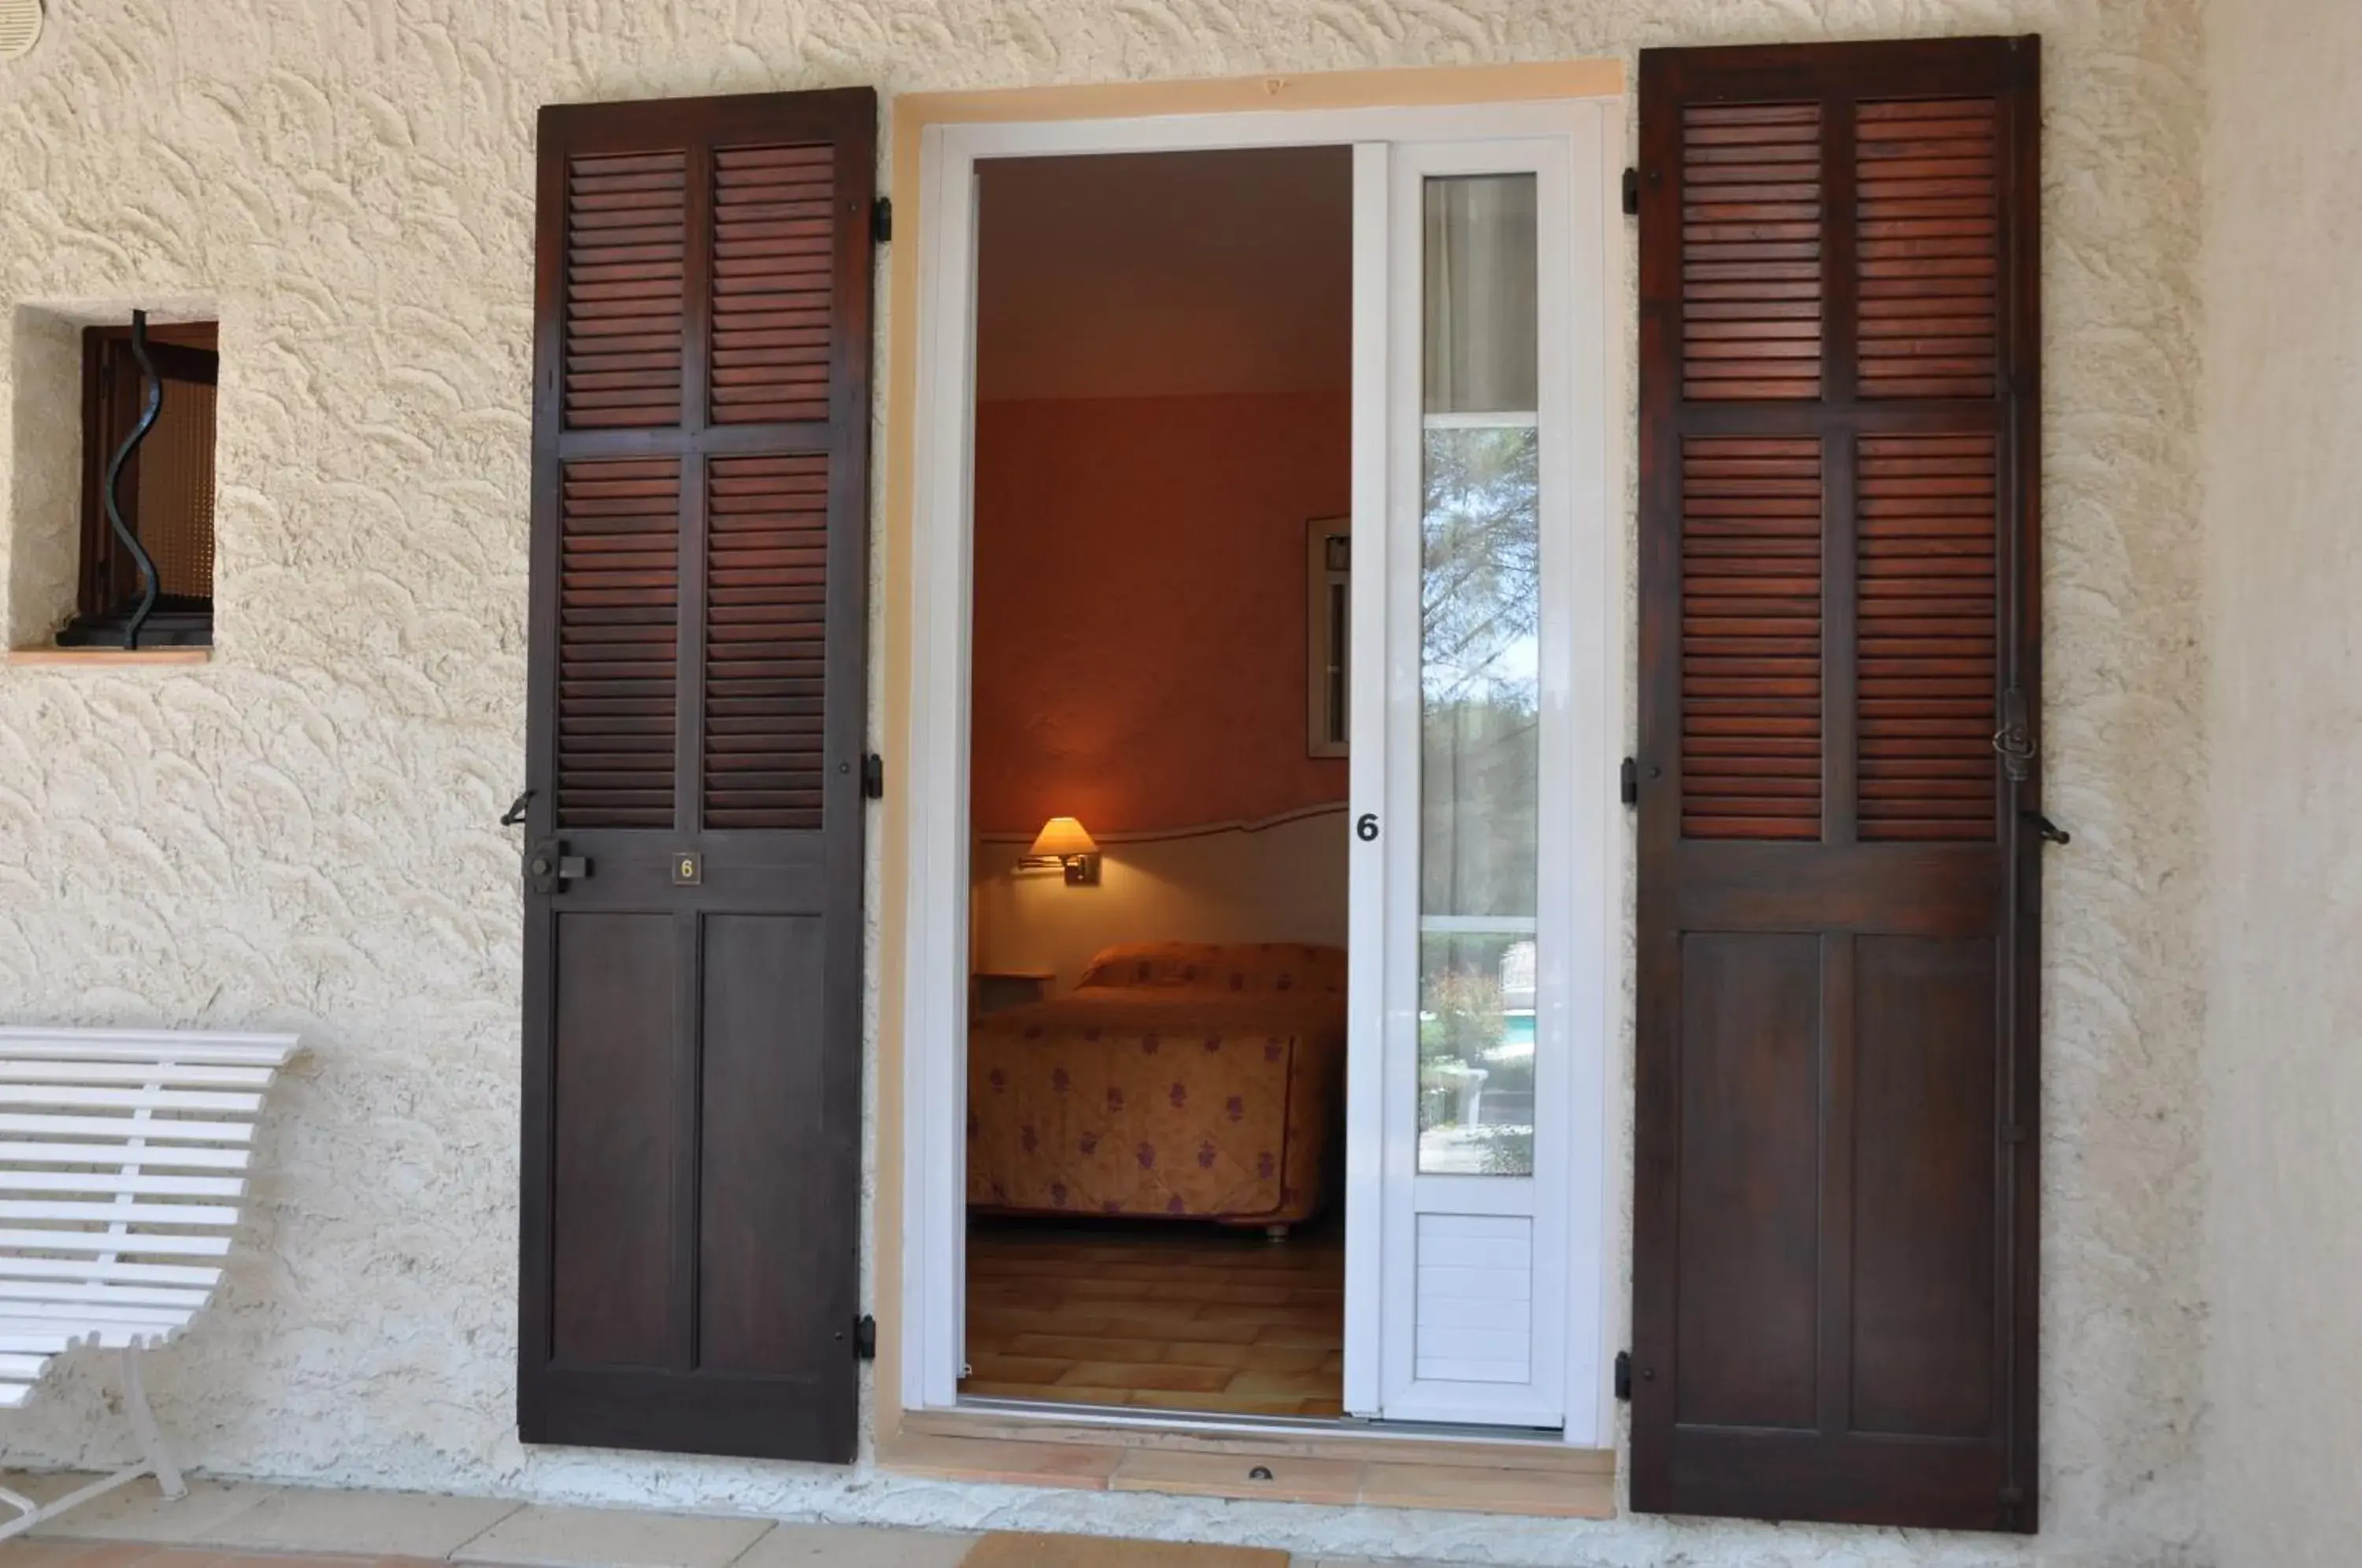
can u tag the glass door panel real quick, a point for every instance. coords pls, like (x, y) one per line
(1479, 676)
(1463, 672)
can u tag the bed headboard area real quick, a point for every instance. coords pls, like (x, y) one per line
(1282, 880)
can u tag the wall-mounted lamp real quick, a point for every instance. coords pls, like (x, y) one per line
(1062, 839)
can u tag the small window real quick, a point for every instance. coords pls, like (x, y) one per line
(165, 493)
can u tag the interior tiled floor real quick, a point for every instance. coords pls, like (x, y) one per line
(1177, 1317)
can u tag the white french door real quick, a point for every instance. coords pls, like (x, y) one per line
(1487, 713)
(1477, 929)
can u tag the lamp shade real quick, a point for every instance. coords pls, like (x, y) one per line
(1063, 836)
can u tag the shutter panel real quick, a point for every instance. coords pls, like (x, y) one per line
(1834, 1299)
(696, 716)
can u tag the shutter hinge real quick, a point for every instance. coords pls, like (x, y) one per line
(1631, 192)
(1624, 1375)
(1629, 781)
(864, 1337)
(881, 220)
(873, 777)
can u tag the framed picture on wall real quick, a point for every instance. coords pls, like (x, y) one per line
(1329, 630)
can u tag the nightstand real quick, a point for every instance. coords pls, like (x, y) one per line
(992, 989)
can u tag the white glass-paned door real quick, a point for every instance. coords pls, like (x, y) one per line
(1462, 901)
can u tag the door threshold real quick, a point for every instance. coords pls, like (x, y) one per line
(1336, 1462)
(1043, 1420)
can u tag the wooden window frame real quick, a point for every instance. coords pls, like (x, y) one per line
(187, 352)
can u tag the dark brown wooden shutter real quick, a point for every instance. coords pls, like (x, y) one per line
(692, 1020)
(1834, 1296)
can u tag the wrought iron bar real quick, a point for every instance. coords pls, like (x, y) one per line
(122, 531)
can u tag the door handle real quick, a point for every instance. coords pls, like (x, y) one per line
(549, 868)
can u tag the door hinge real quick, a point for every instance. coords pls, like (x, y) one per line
(881, 220)
(1631, 192)
(1624, 1375)
(864, 1337)
(873, 777)
(1629, 781)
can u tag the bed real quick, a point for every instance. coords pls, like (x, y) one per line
(1184, 1080)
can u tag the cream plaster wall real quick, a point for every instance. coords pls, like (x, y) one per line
(2283, 1083)
(302, 833)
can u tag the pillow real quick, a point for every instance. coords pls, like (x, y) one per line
(1222, 967)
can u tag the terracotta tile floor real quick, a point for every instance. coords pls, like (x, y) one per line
(1165, 1317)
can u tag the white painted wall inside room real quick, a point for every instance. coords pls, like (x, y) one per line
(1279, 881)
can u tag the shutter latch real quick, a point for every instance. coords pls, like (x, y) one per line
(547, 866)
(1629, 781)
(873, 777)
(881, 220)
(2051, 832)
(1631, 192)
(864, 1337)
(1624, 1375)
(2014, 740)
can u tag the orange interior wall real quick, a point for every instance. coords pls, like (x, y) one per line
(1140, 611)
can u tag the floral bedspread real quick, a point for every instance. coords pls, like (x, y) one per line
(1213, 1096)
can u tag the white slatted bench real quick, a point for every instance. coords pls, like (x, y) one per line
(123, 1156)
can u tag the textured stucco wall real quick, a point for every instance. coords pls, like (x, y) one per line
(2283, 523)
(303, 833)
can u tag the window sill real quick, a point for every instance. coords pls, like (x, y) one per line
(39, 657)
(1536, 1480)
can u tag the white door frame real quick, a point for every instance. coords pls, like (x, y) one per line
(935, 936)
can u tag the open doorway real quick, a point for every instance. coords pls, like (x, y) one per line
(1158, 780)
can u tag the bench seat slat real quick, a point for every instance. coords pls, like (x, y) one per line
(125, 1127)
(40, 1317)
(42, 1336)
(135, 1243)
(118, 1213)
(64, 1294)
(91, 1271)
(148, 1045)
(181, 1075)
(17, 1152)
(116, 1181)
(25, 1317)
(217, 1100)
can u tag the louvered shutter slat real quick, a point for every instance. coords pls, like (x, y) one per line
(766, 642)
(1751, 638)
(1751, 250)
(1927, 179)
(774, 240)
(625, 254)
(618, 607)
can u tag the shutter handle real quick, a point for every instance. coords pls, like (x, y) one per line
(549, 868)
(2051, 832)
